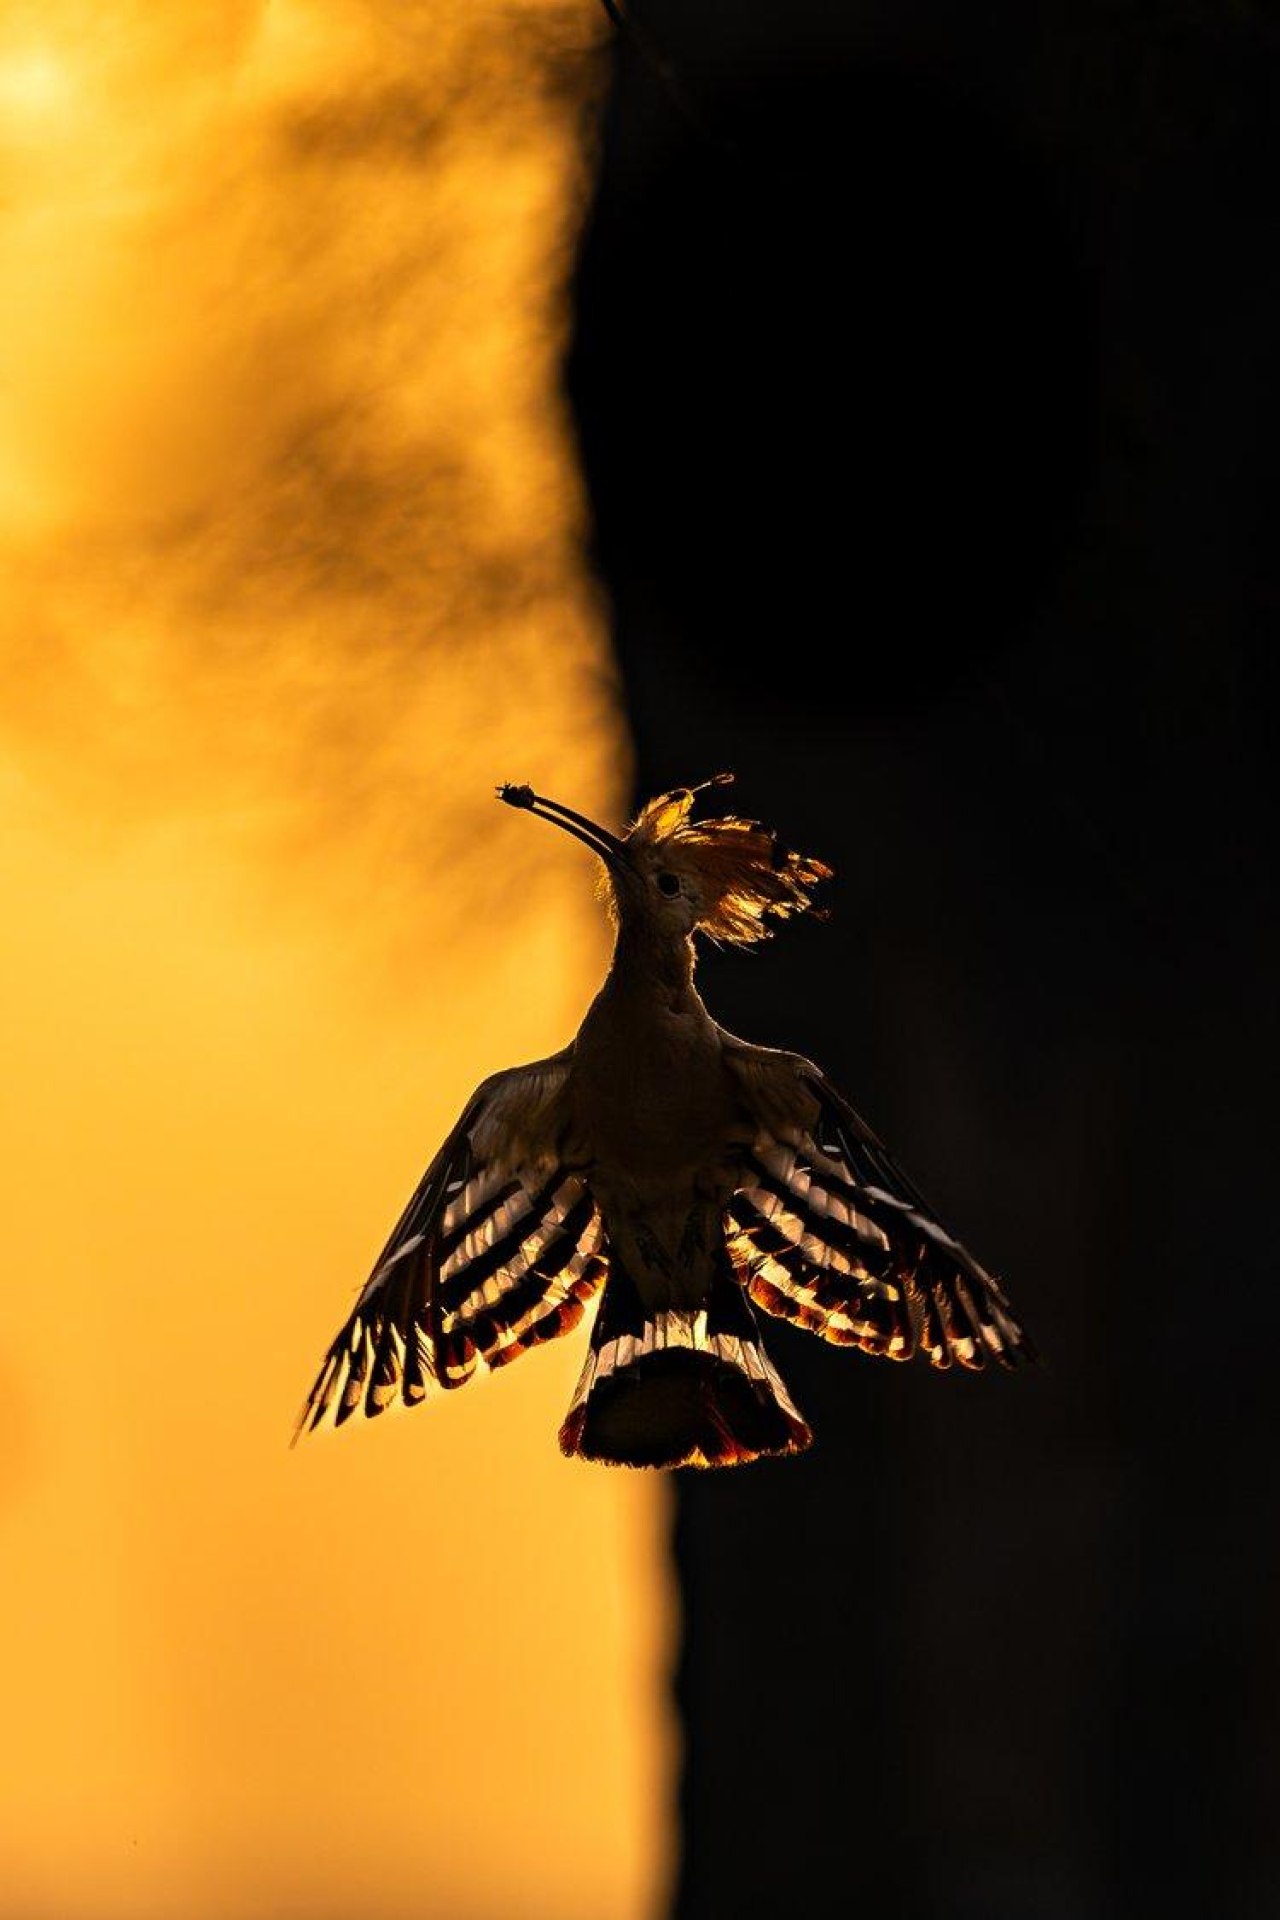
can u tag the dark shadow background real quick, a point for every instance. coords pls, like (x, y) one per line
(925, 391)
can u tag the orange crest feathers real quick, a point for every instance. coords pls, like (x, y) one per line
(743, 875)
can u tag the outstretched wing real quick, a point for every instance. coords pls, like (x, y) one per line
(827, 1231)
(495, 1253)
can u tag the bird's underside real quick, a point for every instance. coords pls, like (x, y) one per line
(505, 1244)
(684, 1174)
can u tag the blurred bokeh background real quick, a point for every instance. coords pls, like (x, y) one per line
(880, 401)
(292, 575)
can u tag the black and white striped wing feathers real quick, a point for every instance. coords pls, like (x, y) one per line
(496, 1252)
(828, 1232)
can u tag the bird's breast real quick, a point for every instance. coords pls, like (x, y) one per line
(653, 1095)
(660, 1114)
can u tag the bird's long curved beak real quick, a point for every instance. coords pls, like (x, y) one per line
(599, 839)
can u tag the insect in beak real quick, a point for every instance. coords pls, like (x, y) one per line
(611, 850)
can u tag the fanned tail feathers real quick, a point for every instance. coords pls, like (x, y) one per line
(679, 1387)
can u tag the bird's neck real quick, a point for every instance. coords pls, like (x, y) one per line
(648, 963)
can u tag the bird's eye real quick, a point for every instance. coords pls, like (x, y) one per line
(668, 884)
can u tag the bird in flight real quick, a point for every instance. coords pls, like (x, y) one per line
(679, 1174)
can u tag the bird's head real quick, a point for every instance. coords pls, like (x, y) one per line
(727, 878)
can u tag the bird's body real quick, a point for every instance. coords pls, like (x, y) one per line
(679, 1171)
(657, 1108)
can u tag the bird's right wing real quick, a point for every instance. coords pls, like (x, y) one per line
(496, 1252)
(827, 1231)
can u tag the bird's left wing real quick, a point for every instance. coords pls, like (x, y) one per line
(496, 1252)
(826, 1230)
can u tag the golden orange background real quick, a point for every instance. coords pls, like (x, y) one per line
(291, 576)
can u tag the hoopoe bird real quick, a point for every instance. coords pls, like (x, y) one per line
(679, 1174)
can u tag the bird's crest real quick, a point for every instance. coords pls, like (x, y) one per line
(743, 874)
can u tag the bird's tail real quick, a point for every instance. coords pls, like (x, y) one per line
(679, 1387)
